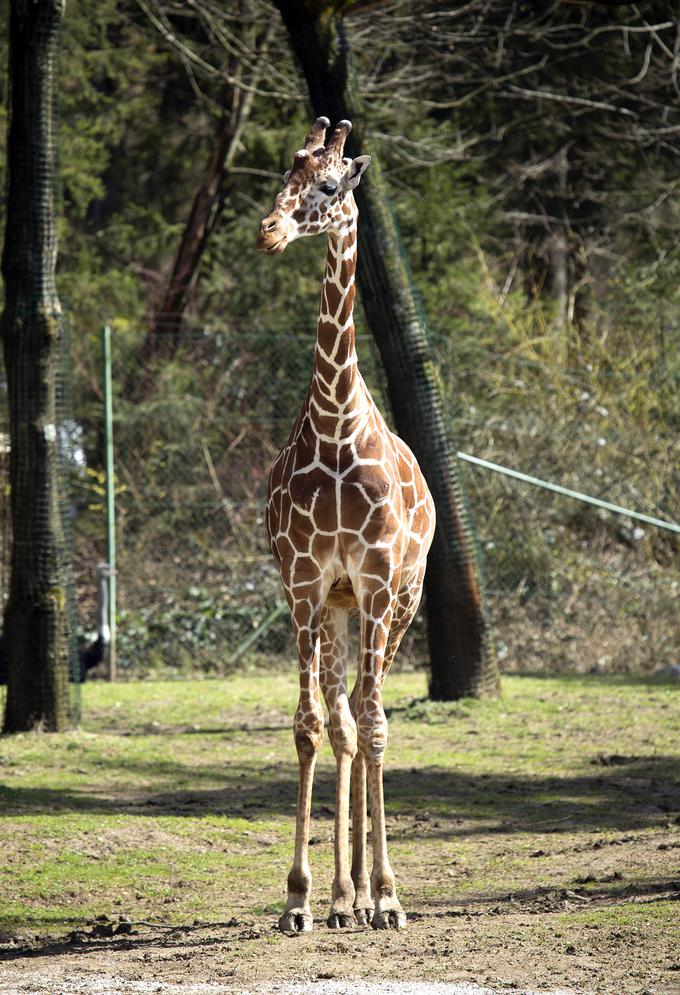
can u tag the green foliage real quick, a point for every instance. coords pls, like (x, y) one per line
(593, 405)
(111, 72)
(195, 631)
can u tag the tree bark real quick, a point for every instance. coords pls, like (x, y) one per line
(36, 627)
(558, 261)
(462, 657)
(165, 334)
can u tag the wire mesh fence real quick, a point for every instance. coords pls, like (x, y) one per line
(573, 588)
(70, 454)
(197, 586)
(196, 431)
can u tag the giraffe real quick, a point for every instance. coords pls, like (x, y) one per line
(350, 520)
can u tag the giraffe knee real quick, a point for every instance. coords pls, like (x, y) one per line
(373, 736)
(344, 736)
(308, 732)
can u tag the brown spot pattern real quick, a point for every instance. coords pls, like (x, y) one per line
(350, 521)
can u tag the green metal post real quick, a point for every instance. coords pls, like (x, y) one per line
(110, 496)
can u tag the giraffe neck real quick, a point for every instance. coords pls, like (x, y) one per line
(335, 400)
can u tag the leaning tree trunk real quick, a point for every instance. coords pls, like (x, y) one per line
(36, 619)
(166, 331)
(461, 647)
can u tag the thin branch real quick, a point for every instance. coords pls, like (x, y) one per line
(162, 25)
(562, 98)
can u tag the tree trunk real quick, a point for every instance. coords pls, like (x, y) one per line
(36, 627)
(462, 656)
(165, 334)
(558, 261)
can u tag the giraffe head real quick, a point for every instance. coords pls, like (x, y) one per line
(317, 192)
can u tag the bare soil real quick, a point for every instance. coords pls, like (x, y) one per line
(514, 943)
(536, 843)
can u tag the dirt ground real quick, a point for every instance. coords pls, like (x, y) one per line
(110, 985)
(514, 945)
(536, 842)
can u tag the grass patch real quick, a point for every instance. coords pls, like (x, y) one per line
(177, 800)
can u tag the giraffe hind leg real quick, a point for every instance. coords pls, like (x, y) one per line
(380, 643)
(407, 603)
(385, 912)
(364, 906)
(363, 903)
(377, 608)
(343, 736)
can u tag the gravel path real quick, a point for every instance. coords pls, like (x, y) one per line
(51, 982)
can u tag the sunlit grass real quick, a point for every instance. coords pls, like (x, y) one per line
(176, 800)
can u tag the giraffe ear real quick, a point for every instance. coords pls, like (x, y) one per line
(286, 176)
(355, 170)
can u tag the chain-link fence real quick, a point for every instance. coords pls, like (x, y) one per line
(194, 437)
(195, 433)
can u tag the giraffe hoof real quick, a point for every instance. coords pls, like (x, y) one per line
(338, 920)
(291, 923)
(393, 919)
(363, 916)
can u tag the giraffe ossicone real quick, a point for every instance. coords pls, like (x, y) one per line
(350, 522)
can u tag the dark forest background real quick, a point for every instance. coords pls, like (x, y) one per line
(531, 153)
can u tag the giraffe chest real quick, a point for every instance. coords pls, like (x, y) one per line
(330, 502)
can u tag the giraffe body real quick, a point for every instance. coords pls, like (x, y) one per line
(350, 521)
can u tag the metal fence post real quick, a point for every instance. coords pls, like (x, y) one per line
(110, 495)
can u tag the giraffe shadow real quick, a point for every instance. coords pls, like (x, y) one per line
(433, 801)
(194, 938)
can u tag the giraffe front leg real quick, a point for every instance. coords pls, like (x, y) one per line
(372, 735)
(343, 735)
(308, 730)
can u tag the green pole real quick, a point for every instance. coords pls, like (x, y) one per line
(260, 631)
(110, 496)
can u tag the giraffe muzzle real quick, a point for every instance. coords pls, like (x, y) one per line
(272, 237)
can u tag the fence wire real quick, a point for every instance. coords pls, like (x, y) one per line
(196, 580)
(70, 455)
(570, 588)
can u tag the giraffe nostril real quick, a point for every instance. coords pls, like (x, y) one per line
(271, 226)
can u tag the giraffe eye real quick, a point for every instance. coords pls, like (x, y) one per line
(328, 188)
